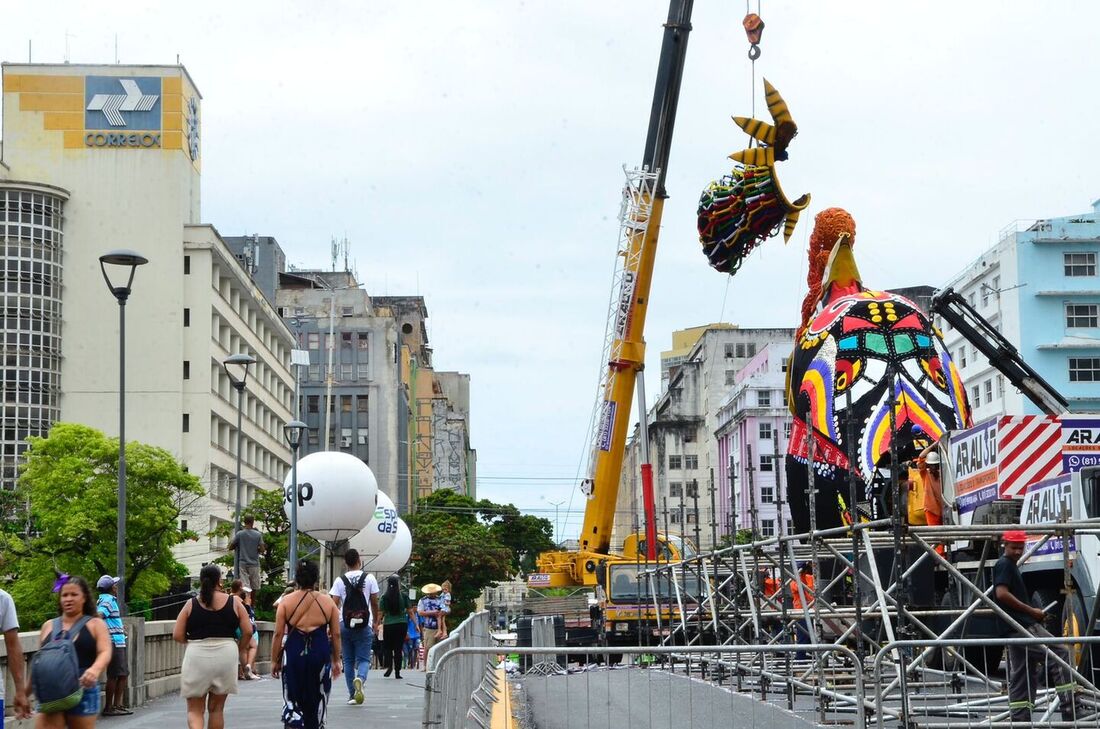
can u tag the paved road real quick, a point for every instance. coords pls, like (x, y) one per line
(395, 704)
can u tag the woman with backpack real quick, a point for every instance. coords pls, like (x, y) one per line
(396, 614)
(208, 624)
(310, 657)
(66, 699)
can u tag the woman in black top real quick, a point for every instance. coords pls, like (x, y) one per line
(93, 653)
(208, 625)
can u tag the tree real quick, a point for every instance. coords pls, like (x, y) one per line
(526, 536)
(70, 481)
(451, 542)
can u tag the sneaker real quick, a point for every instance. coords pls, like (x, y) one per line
(123, 711)
(352, 701)
(249, 673)
(358, 697)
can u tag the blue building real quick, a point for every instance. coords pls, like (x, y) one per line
(1040, 286)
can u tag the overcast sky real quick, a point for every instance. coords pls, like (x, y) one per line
(472, 152)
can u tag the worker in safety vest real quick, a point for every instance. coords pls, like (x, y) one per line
(802, 625)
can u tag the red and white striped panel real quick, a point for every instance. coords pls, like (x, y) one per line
(1029, 449)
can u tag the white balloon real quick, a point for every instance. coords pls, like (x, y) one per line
(336, 495)
(395, 557)
(379, 532)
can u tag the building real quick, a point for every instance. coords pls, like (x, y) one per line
(682, 342)
(754, 425)
(1040, 288)
(682, 425)
(96, 158)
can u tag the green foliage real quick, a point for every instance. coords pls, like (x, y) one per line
(267, 509)
(743, 536)
(452, 541)
(526, 536)
(70, 482)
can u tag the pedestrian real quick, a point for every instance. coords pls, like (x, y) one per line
(17, 665)
(802, 623)
(396, 614)
(1025, 661)
(242, 593)
(412, 643)
(445, 609)
(208, 625)
(249, 544)
(118, 670)
(356, 594)
(310, 658)
(78, 622)
(430, 609)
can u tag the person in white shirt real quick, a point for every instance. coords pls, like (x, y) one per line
(360, 619)
(9, 624)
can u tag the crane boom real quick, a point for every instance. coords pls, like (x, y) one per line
(1000, 352)
(627, 354)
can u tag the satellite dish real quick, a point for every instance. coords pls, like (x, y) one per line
(336, 495)
(379, 532)
(396, 555)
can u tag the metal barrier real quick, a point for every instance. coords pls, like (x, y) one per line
(449, 697)
(923, 696)
(666, 686)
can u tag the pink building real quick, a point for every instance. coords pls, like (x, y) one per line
(754, 424)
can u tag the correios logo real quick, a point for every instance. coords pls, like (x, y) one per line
(131, 99)
(122, 112)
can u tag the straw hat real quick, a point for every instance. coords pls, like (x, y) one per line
(431, 588)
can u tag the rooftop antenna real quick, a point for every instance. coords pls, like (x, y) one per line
(29, 51)
(116, 49)
(335, 251)
(68, 35)
(347, 249)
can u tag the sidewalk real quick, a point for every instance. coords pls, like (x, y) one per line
(400, 704)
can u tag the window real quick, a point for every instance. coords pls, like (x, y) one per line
(186, 369)
(362, 403)
(787, 429)
(314, 340)
(346, 310)
(972, 300)
(1079, 264)
(345, 372)
(766, 431)
(674, 516)
(692, 516)
(985, 295)
(763, 398)
(345, 403)
(731, 377)
(767, 527)
(767, 494)
(183, 525)
(790, 527)
(1001, 386)
(729, 351)
(750, 349)
(962, 355)
(312, 438)
(675, 490)
(1082, 316)
(783, 366)
(691, 490)
(675, 463)
(186, 267)
(976, 396)
(187, 317)
(767, 463)
(691, 462)
(313, 403)
(345, 338)
(786, 399)
(689, 436)
(989, 391)
(186, 423)
(1084, 369)
(314, 372)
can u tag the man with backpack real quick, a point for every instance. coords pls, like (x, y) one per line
(356, 594)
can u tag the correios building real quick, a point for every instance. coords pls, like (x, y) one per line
(100, 157)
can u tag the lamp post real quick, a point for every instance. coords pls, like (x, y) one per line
(293, 433)
(236, 368)
(124, 263)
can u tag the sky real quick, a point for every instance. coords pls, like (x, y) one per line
(473, 152)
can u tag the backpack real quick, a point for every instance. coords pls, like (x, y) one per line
(355, 609)
(55, 672)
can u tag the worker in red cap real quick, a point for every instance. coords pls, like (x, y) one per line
(1026, 661)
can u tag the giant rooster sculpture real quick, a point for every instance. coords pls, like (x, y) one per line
(869, 378)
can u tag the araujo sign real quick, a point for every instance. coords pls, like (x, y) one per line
(122, 112)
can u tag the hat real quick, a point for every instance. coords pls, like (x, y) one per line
(1016, 536)
(431, 588)
(932, 459)
(106, 582)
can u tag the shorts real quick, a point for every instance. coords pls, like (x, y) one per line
(250, 576)
(88, 706)
(119, 667)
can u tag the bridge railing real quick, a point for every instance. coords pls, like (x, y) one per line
(154, 658)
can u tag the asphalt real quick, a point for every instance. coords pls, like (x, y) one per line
(400, 704)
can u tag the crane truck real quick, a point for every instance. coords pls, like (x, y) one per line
(619, 612)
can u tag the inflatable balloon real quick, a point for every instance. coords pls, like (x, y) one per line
(396, 555)
(336, 495)
(379, 532)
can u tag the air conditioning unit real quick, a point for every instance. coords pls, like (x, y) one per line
(345, 442)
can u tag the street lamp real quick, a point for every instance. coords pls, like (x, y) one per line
(123, 263)
(293, 433)
(236, 368)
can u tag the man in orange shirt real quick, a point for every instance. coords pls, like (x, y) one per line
(802, 625)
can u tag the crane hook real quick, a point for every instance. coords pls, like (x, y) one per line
(754, 29)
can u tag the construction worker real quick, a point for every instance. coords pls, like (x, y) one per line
(1026, 661)
(802, 624)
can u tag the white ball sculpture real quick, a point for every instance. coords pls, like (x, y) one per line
(379, 532)
(396, 555)
(336, 495)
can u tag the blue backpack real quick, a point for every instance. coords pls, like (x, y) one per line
(55, 672)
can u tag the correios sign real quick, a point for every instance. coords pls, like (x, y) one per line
(122, 112)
